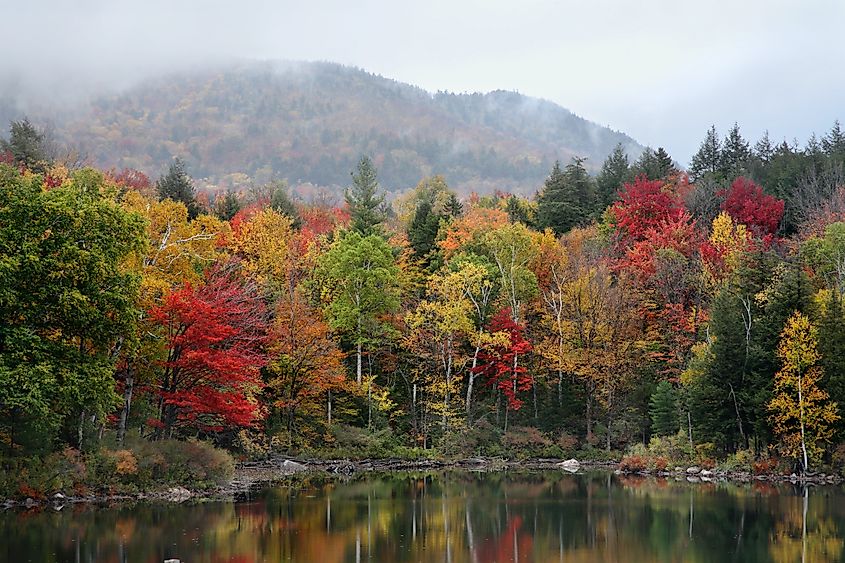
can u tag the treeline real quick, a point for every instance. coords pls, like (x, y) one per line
(641, 302)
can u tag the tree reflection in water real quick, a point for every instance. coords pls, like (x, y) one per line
(454, 517)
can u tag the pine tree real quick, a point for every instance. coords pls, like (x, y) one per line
(735, 154)
(27, 145)
(280, 201)
(567, 198)
(615, 171)
(422, 232)
(366, 204)
(227, 206)
(834, 142)
(663, 408)
(708, 158)
(832, 349)
(764, 149)
(176, 185)
(665, 164)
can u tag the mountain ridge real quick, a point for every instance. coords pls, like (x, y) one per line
(309, 122)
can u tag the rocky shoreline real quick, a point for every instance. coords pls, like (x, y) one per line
(253, 474)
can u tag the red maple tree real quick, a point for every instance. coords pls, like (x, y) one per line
(214, 338)
(645, 205)
(500, 364)
(746, 203)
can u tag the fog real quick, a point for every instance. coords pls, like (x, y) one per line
(661, 71)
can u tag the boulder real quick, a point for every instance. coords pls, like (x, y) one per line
(178, 494)
(694, 470)
(706, 473)
(292, 466)
(570, 465)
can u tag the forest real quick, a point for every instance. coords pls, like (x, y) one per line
(645, 313)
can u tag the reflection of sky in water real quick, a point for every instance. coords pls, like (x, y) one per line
(472, 517)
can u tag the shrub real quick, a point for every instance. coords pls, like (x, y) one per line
(659, 463)
(765, 466)
(743, 460)
(633, 464)
(525, 441)
(480, 439)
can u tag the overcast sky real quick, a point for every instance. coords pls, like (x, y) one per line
(660, 70)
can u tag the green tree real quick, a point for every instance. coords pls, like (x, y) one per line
(663, 409)
(359, 284)
(176, 185)
(28, 145)
(832, 350)
(615, 171)
(708, 159)
(280, 201)
(654, 165)
(736, 154)
(366, 204)
(227, 206)
(67, 304)
(567, 198)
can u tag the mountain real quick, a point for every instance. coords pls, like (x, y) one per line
(311, 122)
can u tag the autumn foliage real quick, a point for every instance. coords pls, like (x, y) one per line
(215, 335)
(746, 203)
(500, 363)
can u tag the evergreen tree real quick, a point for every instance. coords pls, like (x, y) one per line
(832, 350)
(708, 158)
(422, 232)
(663, 408)
(27, 145)
(834, 142)
(665, 164)
(615, 171)
(764, 149)
(735, 154)
(567, 198)
(227, 206)
(366, 204)
(281, 201)
(176, 185)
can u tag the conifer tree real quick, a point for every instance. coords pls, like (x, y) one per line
(176, 185)
(708, 159)
(735, 154)
(663, 409)
(27, 145)
(834, 142)
(567, 199)
(366, 204)
(615, 171)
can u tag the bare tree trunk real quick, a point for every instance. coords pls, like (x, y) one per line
(128, 386)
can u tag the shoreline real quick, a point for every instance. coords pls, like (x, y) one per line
(253, 474)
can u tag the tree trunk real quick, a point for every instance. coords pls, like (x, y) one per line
(358, 370)
(128, 385)
(801, 410)
(329, 407)
(470, 383)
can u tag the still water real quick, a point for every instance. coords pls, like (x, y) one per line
(452, 516)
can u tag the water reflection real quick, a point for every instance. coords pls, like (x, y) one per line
(453, 517)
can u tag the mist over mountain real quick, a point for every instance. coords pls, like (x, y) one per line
(311, 122)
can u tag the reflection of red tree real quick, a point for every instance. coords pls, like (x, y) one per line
(512, 545)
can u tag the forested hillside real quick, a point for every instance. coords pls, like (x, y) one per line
(679, 317)
(309, 123)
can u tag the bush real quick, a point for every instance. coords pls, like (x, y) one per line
(480, 439)
(146, 465)
(525, 441)
(743, 460)
(633, 464)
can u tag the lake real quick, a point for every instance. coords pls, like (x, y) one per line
(452, 517)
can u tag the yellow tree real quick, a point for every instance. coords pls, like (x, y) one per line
(801, 414)
(440, 323)
(263, 243)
